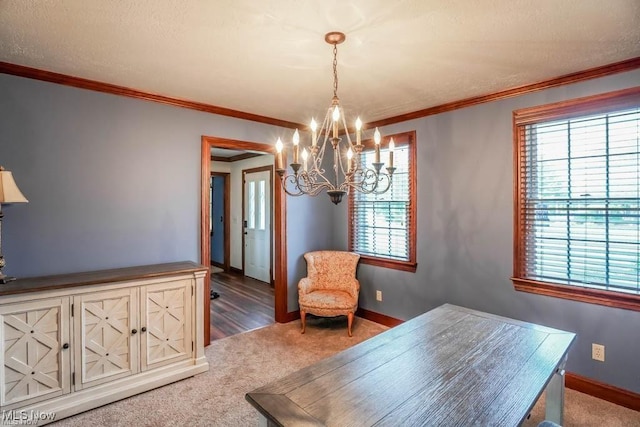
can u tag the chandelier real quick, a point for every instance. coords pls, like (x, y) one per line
(307, 175)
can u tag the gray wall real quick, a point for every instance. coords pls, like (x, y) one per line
(465, 191)
(111, 181)
(114, 182)
(311, 234)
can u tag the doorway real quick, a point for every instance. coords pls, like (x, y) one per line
(279, 229)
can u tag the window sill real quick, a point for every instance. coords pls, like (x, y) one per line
(389, 263)
(575, 293)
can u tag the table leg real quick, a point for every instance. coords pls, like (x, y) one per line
(265, 422)
(554, 404)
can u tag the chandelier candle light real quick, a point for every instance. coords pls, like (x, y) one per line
(311, 179)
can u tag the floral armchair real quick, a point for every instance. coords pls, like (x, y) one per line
(330, 288)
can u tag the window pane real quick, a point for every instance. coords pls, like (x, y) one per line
(261, 205)
(252, 205)
(580, 201)
(380, 221)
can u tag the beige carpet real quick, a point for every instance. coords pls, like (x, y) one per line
(243, 362)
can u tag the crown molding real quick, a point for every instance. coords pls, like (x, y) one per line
(591, 73)
(51, 77)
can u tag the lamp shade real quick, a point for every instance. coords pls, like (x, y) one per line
(9, 192)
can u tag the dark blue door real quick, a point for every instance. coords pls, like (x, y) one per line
(217, 219)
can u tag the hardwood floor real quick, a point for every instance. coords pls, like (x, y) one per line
(244, 304)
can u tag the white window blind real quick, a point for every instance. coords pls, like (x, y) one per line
(579, 201)
(381, 223)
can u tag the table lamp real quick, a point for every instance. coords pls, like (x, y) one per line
(9, 193)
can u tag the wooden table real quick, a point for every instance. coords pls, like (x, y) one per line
(449, 366)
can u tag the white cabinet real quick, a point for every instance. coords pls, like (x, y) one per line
(75, 342)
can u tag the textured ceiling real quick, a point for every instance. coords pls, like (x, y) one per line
(269, 57)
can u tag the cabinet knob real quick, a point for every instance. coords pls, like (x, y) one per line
(134, 331)
(144, 329)
(65, 346)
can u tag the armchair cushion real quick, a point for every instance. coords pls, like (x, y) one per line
(328, 299)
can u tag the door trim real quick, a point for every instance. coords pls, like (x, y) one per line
(227, 219)
(244, 174)
(279, 228)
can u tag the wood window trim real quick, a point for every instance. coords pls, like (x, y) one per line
(403, 138)
(577, 293)
(601, 103)
(410, 266)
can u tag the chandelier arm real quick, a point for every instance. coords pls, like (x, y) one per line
(368, 181)
(315, 189)
(311, 182)
(305, 183)
(356, 182)
(318, 169)
(384, 177)
(298, 185)
(324, 135)
(320, 172)
(308, 183)
(293, 189)
(346, 129)
(326, 125)
(349, 144)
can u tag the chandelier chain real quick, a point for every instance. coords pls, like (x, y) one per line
(335, 70)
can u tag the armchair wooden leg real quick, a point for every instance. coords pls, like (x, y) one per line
(349, 322)
(303, 318)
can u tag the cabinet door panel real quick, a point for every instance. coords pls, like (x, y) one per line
(107, 347)
(34, 364)
(166, 311)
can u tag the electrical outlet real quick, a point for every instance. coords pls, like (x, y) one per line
(597, 352)
(378, 295)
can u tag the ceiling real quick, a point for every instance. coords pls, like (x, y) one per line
(269, 57)
(223, 152)
(227, 153)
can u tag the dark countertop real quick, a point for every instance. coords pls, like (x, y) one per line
(62, 281)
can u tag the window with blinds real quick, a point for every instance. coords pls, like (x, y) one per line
(382, 226)
(578, 196)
